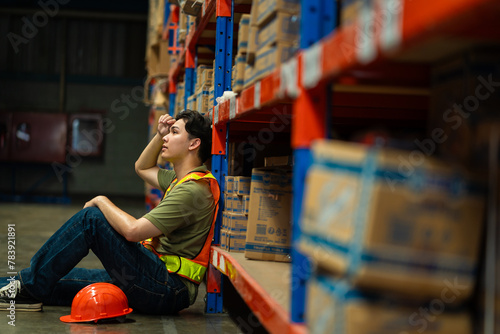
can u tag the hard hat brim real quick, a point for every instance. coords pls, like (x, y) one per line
(69, 318)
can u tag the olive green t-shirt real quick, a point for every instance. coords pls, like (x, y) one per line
(184, 216)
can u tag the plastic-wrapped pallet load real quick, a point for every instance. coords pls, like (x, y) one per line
(374, 217)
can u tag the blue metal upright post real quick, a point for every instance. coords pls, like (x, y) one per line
(324, 12)
(222, 82)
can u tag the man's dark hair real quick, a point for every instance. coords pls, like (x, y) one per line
(198, 126)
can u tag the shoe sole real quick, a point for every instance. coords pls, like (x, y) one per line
(36, 307)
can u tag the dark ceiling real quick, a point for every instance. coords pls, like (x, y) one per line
(108, 6)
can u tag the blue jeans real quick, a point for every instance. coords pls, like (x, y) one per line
(53, 279)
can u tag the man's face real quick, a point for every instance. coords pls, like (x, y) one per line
(176, 142)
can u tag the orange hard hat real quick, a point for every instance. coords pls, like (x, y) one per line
(98, 301)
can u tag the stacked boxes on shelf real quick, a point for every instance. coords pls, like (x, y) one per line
(273, 36)
(240, 59)
(234, 222)
(204, 80)
(157, 56)
(179, 99)
(191, 102)
(248, 76)
(269, 220)
(373, 221)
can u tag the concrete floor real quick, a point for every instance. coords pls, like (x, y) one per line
(34, 224)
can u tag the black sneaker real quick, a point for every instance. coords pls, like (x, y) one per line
(13, 298)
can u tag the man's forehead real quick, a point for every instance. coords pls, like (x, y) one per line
(181, 123)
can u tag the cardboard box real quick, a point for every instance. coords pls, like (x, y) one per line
(253, 43)
(266, 9)
(334, 307)
(236, 241)
(182, 30)
(155, 23)
(246, 204)
(238, 205)
(237, 222)
(158, 60)
(270, 57)
(250, 75)
(229, 184)
(372, 217)
(192, 102)
(269, 227)
(179, 100)
(284, 27)
(211, 97)
(242, 185)
(243, 33)
(239, 72)
(204, 76)
(202, 99)
(223, 239)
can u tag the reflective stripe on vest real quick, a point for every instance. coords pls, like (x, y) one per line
(192, 269)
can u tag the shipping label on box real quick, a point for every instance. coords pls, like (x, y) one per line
(267, 8)
(333, 306)
(270, 57)
(242, 185)
(269, 228)
(283, 27)
(371, 216)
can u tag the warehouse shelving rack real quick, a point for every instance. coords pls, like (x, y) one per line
(389, 44)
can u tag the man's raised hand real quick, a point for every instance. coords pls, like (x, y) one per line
(164, 124)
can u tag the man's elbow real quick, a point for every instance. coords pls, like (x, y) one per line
(138, 170)
(132, 234)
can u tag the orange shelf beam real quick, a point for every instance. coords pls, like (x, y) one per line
(268, 311)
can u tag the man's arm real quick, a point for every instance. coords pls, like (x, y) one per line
(129, 227)
(146, 166)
